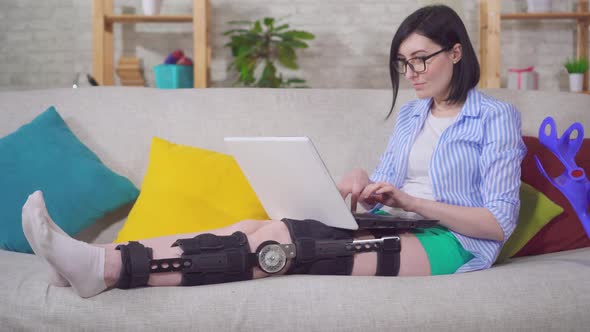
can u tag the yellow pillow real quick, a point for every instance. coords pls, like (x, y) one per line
(536, 211)
(188, 189)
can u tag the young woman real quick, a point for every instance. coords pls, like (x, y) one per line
(454, 155)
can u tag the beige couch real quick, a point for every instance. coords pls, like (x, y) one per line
(548, 292)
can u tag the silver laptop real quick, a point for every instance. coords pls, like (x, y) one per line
(292, 181)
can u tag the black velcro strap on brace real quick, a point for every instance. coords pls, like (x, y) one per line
(388, 258)
(310, 260)
(135, 269)
(215, 259)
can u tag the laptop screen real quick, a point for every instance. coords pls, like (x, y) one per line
(290, 179)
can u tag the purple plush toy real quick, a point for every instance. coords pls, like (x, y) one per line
(173, 57)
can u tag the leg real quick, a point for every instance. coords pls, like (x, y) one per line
(413, 258)
(414, 261)
(83, 265)
(162, 248)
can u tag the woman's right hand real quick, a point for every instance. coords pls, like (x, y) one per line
(353, 183)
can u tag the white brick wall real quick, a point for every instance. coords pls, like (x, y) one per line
(44, 43)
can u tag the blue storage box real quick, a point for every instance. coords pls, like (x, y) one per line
(173, 76)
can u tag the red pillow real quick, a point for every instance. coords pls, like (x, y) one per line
(564, 232)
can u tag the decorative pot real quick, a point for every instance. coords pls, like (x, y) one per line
(576, 82)
(151, 7)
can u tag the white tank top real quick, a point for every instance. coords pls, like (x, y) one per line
(418, 182)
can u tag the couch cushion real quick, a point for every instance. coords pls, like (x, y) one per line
(187, 190)
(78, 188)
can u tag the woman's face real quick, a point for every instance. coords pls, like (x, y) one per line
(435, 81)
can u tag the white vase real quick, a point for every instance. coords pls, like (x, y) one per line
(151, 7)
(538, 6)
(576, 82)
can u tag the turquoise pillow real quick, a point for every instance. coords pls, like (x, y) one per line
(78, 188)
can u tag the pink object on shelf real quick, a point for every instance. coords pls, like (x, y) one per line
(523, 78)
(184, 61)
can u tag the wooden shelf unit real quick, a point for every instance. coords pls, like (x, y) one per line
(103, 20)
(490, 18)
(148, 18)
(545, 16)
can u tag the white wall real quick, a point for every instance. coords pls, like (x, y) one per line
(44, 43)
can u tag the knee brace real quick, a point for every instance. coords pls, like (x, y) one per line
(206, 259)
(211, 259)
(330, 251)
(312, 258)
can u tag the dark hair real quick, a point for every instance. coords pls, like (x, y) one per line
(442, 25)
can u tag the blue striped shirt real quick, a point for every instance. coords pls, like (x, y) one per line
(476, 163)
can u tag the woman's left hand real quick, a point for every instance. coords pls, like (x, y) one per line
(386, 194)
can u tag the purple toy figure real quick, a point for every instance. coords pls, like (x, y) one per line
(173, 57)
(572, 182)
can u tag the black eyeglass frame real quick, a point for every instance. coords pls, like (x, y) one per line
(423, 58)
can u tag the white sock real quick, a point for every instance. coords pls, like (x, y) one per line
(53, 276)
(81, 264)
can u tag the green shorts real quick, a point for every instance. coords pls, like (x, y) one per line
(444, 251)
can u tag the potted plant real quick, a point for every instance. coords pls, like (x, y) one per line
(576, 69)
(257, 48)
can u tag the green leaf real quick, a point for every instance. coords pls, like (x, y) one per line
(297, 34)
(286, 51)
(234, 51)
(243, 40)
(229, 32)
(289, 63)
(242, 22)
(295, 80)
(245, 50)
(269, 71)
(268, 21)
(295, 43)
(269, 78)
(257, 27)
(247, 72)
(286, 56)
(282, 27)
(576, 65)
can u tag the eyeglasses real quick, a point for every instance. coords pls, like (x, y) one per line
(418, 64)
